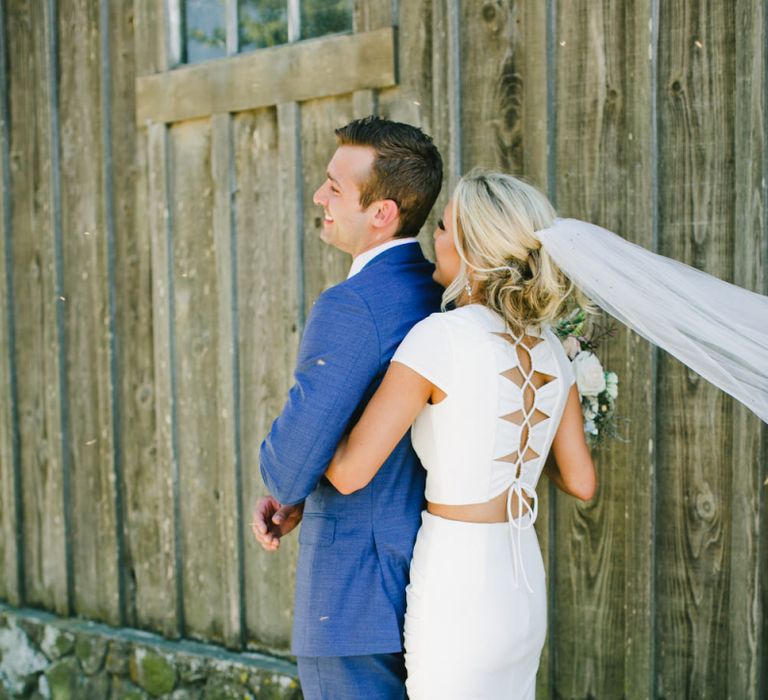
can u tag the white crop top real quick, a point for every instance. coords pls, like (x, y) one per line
(493, 430)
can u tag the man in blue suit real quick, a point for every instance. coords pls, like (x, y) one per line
(355, 550)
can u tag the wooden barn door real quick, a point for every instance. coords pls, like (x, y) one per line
(231, 152)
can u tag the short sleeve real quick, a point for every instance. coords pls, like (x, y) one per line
(427, 350)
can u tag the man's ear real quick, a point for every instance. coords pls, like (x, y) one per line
(386, 212)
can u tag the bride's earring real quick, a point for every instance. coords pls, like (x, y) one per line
(468, 290)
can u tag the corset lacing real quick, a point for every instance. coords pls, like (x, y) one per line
(518, 523)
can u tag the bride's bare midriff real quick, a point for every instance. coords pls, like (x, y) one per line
(493, 511)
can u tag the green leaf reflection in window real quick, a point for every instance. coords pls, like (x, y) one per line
(205, 33)
(320, 17)
(262, 23)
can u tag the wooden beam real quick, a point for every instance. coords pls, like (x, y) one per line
(294, 73)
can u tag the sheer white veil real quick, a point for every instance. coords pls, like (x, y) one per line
(717, 329)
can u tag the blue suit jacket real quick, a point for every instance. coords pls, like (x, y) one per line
(355, 550)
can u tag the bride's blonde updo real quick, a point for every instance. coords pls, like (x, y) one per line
(495, 219)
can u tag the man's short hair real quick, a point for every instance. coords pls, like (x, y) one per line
(407, 169)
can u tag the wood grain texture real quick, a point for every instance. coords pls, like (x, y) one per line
(306, 70)
(747, 651)
(133, 303)
(324, 265)
(531, 45)
(153, 526)
(11, 579)
(37, 342)
(267, 171)
(202, 479)
(696, 200)
(446, 125)
(227, 461)
(410, 101)
(492, 85)
(589, 624)
(371, 14)
(87, 313)
(150, 37)
(634, 359)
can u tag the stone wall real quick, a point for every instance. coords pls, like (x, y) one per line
(46, 657)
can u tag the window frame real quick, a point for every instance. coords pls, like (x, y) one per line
(176, 30)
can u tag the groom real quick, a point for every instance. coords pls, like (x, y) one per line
(354, 550)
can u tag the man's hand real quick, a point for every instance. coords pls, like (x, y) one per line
(271, 521)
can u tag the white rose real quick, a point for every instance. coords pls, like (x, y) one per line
(612, 384)
(571, 346)
(590, 377)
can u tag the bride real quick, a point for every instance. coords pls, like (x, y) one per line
(489, 393)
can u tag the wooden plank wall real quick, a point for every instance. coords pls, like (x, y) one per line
(156, 280)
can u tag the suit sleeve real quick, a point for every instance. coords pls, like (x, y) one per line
(338, 358)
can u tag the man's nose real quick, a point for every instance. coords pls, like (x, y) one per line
(319, 197)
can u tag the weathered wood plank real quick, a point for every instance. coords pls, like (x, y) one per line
(196, 290)
(491, 86)
(269, 226)
(143, 328)
(227, 462)
(333, 66)
(153, 525)
(37, 342)
(446, 121)
(87, 313)
(324, 265)
(596, 52)
(531, 49)
(410, 101)
(150, 37)
(132, 293)
(635, 361)
(696, 200)
(368, 15)
(747, 651)
(11, 525)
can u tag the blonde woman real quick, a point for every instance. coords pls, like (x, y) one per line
(490, 394)
(489, 391)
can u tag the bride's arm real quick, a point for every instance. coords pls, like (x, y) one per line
(572, 469)
(388, 415)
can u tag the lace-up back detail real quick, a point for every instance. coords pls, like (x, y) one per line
(505, 396)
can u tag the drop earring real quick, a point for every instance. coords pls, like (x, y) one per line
(468, 290)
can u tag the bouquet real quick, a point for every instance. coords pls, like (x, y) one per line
(598, 389)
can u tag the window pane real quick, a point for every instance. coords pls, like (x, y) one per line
(319, 17)
(262, 23)
(205, 23)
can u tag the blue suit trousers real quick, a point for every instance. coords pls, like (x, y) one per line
(371, 677)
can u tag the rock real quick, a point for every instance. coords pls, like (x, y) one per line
(266, 686)
(184, 694)
(20, 662)
(62, 679)
(56, 643)
(192, 669)
(90, 651)
(94, 688)
(125, 690)
(223, 688)
(153, 672)
(43, 689)
(118, 654)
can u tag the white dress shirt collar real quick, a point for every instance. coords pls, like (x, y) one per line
(364, 258)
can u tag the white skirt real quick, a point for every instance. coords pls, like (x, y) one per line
(471, 633)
